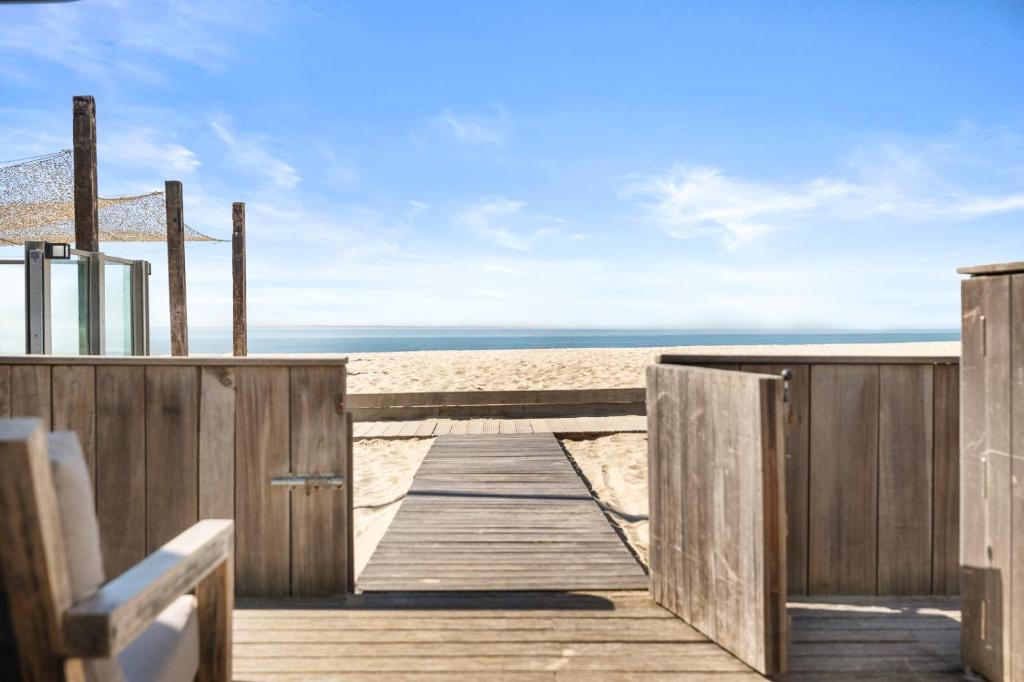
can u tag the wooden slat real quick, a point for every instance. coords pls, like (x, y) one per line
(842, 552)
(216, 443)
(74, 407)
(5, 391)
(717, 524)
(319, 548)
(905, 454)
(268, 360)
(946, 486)
(985, 391)
(121, 465)
(262, 560)
(1016, 611)
(796, 422)
(30, 392)
(172, 452)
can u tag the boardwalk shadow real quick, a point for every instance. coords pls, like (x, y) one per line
(444, 601)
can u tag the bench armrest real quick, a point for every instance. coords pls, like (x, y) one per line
(111, 619)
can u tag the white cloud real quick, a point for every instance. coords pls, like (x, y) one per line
(249, 153)
(473, 130)
(147, 147)
(901, 182)
(488, 219)
(415, 209)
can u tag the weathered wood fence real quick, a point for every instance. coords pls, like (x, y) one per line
(170, 441)
(717, 501)
(872, 471)
(600, 402)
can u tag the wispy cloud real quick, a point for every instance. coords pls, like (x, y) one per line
(489, 218)
(473, 130)
(939, 181)
(248, 152)
(148, 148)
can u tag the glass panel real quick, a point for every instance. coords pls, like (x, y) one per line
(117, 294)
(69, 306)
(12, 309)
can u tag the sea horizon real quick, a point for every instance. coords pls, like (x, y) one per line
(402, 338)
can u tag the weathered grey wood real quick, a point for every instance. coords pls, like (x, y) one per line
(105, 623)
(172, 452)
(321, 563)
(842, 551)
(34, 563)
(286, 360)
(482, 513)
(985, 523)
(83, 134)
(121, 465)
(993, 269)
(239, 327)
(30, 392)
(262, 443)
(74, 407)
(215, 595)
(718, 514)
(217, 443)
(946, 486)
(1016, 612)
(730, 361)
(176, 267)
(905, 452)
(796, 425)
(5, 391)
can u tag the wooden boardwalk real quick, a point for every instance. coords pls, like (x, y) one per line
(562, 426)
(500, 512)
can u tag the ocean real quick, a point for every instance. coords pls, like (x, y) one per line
(389, 339)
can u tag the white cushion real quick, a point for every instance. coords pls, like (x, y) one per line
(77, 514)
(168, 650)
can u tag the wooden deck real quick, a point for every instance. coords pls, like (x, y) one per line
(500, 512)
(550, 636)
(563, 426)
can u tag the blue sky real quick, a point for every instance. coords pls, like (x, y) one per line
(754, 165)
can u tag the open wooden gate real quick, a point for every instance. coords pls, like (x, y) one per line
(717, 494)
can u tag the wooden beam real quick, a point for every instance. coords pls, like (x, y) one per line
(176, 267)
(239, 327)
(83, 131)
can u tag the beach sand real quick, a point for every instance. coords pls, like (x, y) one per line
(615, 466)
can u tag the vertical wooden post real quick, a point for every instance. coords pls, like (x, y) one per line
(176, 267)
(83, 131)
(239, 328)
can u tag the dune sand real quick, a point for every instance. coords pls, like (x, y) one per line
(615, 466)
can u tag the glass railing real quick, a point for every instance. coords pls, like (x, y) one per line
(69, 306)
(12, 307)
(117, 295)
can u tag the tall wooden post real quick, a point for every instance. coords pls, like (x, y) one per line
(83, 131)
(176, 267)
(239, 328)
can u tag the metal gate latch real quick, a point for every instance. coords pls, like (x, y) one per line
(310, 481)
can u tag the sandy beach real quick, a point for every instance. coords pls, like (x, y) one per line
(614, 466)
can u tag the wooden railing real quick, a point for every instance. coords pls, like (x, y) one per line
(497, 404)
(170, 441)
(872, 471)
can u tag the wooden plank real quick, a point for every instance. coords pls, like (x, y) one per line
(74, 407)
(5, 391)
(30, 392)
(83, 138)
(905, 491)
(730, 361)
(216, 443)
(176, 267)
(239, 327)
(121, 465)
(842, 551)
(319, 519)
(946, 477)
(215, 596)
(281, 360)
(1016, 578)
(494, 398)
(796, 421)
(172, 452)
(985, 390)
(262, 446)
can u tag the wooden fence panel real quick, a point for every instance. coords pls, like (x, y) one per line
(946, 484)
(121, 465)
(905, 449)
(30, 392)
(74, 407)
(1016, 601)
(717, 514)
(217, 443)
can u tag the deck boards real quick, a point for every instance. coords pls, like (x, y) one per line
(588, 636)
(567, 426)
(500, 512)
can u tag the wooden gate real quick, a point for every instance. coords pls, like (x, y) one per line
(717, 494)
